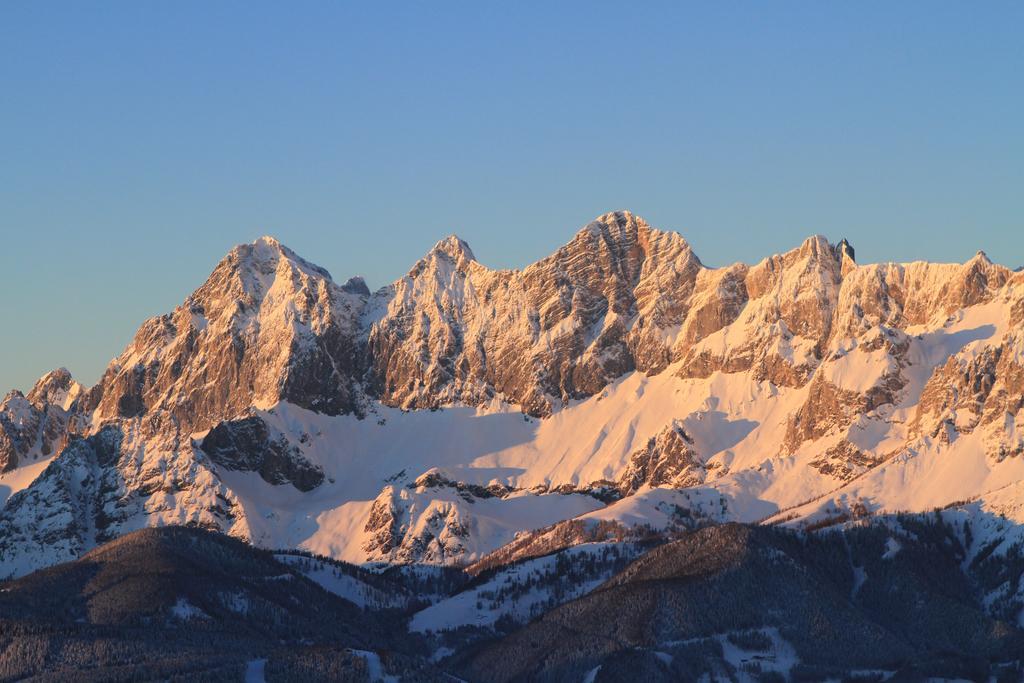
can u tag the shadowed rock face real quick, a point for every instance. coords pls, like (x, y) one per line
(20, 426)
(116, 480)
(249, 446)
(64, 510)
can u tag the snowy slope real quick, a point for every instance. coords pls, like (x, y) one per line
(525, 590)
(618, 381)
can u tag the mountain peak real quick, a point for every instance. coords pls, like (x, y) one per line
(454, 247)
(621, 216)
(356, 285)
(816, 245)
(265, 252)
(980, 258)
(844, 248)
(817, 249)
(614, 227)
(656, 374)
(624, 230)
(614, 221)
(269, 241)
(55, 387)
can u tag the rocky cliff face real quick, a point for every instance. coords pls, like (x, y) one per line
(37, 426)
(120, 478)
(454, 330)
(620, 296)
(267, 326)
(823, 371)
(250, 445)
(668, 459)
(978, 390)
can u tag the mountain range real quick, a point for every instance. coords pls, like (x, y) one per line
(613, 397)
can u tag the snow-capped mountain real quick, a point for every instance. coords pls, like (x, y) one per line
(616, 387)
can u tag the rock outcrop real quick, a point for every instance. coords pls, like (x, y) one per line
(267, 326)
(250, 445)
(399, 530)
(37, 426)
(668, 459)
(871, 361)
(454, 330)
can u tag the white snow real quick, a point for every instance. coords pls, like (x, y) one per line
(254, 671)
(21, 477)
(185, 610)
(738, 425)
(341, 584)
(236, 602)
(860, 575)
(477, 606)
(375, 667)
(780, 655)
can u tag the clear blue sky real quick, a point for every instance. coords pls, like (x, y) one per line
(140, 140)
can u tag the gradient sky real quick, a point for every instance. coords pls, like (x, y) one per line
(140, 140)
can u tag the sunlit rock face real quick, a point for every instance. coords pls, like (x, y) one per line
(561, 329)
(281, 407)
(36, 426)
(267, 326)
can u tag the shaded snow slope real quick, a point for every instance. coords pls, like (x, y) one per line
(617, 382)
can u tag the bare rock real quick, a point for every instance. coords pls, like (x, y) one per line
(38, 425)
(668, 459)
(266, 326)
(844, 461)
(249, 445)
